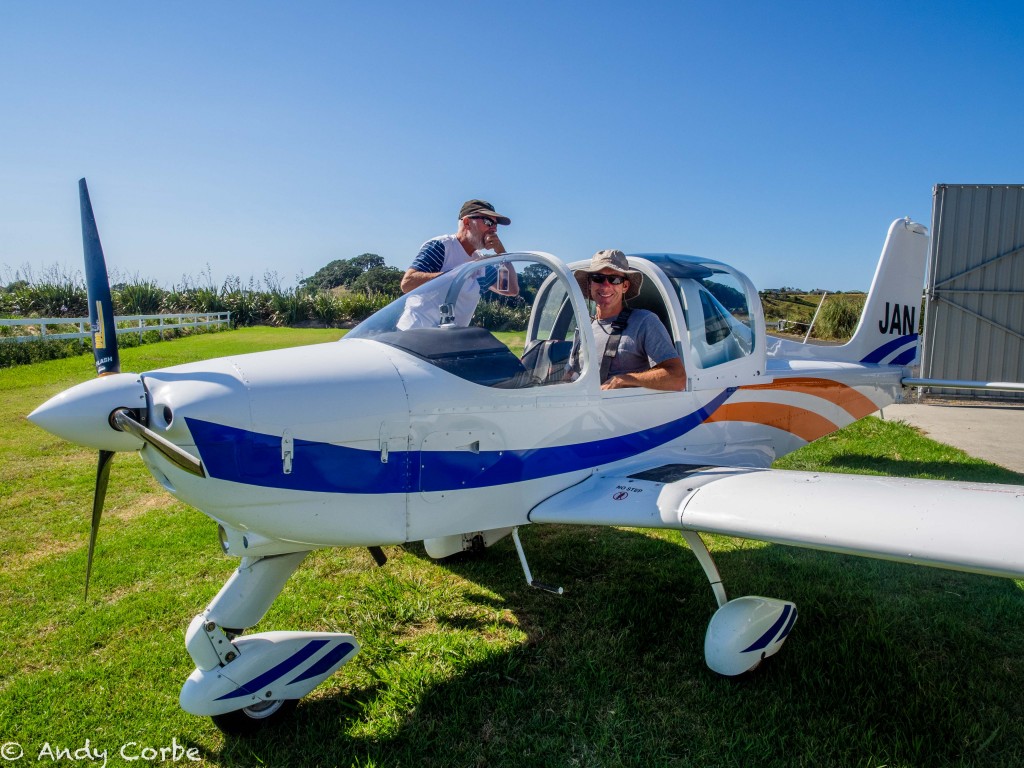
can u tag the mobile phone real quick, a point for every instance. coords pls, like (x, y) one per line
(503, 277)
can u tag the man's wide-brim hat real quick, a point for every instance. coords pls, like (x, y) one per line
(614, 260)
(482, 208)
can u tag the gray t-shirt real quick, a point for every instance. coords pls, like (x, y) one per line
(644, 343)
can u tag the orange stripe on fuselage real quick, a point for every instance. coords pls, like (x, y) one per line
(805, 424)
(843, 395)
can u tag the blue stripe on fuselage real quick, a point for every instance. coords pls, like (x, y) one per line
(252, 458)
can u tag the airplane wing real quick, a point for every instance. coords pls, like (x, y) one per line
(973, 527)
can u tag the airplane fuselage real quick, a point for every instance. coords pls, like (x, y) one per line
(360, 443)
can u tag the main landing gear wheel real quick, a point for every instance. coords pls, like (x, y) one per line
(258, 717)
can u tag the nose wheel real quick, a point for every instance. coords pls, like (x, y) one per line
(258, 717)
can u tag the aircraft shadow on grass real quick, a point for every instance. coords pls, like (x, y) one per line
(893, 650)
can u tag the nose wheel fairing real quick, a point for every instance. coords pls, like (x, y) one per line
(266, 667)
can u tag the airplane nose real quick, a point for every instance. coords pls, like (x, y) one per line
(81, 414)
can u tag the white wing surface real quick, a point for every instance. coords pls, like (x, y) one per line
(971, 527)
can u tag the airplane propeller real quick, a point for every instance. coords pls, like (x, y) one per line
(109, 412)
(104, 346)
(104, 350)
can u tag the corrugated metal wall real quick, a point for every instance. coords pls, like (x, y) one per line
(974, 319)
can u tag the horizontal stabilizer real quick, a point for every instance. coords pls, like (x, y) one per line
(970, 527)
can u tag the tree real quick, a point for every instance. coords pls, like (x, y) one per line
(530, 281)
(342, 272)
(367, 261)
(379, 280)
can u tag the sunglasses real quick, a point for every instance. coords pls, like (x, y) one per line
(600, 277)
(486, 220)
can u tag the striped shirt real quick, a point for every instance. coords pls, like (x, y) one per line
(443, 254)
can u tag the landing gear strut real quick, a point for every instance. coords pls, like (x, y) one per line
(744, 631)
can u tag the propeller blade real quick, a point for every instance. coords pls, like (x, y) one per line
(101, 307)
(100, 493)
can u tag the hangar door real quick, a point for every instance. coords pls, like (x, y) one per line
(974, 317)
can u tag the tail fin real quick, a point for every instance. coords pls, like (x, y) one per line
(887, 332)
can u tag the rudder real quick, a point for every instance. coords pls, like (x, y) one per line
(888, 329)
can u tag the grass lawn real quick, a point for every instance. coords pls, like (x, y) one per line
(462, 663)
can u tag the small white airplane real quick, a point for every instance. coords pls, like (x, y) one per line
(444, 435)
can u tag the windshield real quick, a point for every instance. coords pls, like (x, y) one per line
(502, 322)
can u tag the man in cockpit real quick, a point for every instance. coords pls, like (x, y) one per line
(634, 347)
(477, 232)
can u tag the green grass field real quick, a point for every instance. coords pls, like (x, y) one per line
(462, 664)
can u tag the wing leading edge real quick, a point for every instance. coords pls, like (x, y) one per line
(973, 527)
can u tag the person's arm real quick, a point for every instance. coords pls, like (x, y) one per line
(666, 372)
(413, 279)
(669, 375)
(425, 267)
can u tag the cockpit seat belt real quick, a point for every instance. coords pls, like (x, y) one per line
(611, 345)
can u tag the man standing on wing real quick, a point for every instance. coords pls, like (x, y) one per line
(478, 231)
(634, 347)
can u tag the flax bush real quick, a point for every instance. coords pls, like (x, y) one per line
(246, 303)
(838, 317)
(356, 307)
(139, 297)
(326, 307)
(496, 315)
(57, 293)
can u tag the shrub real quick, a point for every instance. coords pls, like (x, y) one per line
(206, 299)
(56, 294)
(326, 308)
(495, 315)
(290, 308)
(191, 296)
(356, 307)
(23, 353)
(63, 295)
(140, 297)
(838, 317)
(247, 304)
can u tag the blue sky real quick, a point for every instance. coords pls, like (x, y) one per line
(240, 138)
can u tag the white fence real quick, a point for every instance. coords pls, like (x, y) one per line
(41, 328)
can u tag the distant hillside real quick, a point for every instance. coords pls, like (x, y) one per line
(836, 321)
